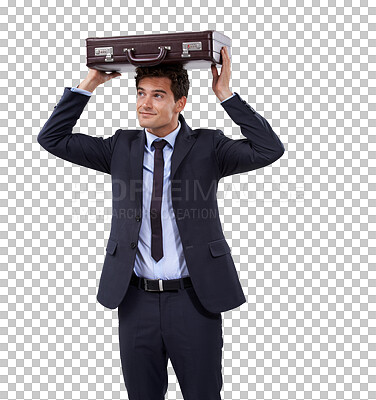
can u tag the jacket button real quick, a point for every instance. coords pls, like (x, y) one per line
(133, 245)
(138, 218)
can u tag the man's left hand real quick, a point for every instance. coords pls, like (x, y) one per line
(221, 83)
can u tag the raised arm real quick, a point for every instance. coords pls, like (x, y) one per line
(261, 146)
(56, 135)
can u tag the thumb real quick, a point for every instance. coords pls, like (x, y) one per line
(115, 74)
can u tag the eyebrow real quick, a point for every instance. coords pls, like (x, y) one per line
(156, 90)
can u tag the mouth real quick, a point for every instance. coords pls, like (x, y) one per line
(146, 113)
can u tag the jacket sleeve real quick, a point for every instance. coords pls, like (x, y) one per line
(260, 147)
(57, 138)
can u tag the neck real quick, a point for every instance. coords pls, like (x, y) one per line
(162, 131)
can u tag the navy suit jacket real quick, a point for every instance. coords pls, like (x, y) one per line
(200, 159)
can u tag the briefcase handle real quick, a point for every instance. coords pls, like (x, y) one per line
(147, 61)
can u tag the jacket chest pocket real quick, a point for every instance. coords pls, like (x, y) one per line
(219, 247)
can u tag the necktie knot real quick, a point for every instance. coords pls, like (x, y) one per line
(159, 144)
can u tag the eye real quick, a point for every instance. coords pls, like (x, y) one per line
(157, 94)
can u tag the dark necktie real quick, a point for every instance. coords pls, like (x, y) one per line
(156, 201)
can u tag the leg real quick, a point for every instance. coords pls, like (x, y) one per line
(143, 355)
(193, 338)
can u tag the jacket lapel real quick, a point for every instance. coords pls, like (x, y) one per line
(137, 162)
(183, 143)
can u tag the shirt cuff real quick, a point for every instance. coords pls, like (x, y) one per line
(82, 91)
(228, 97)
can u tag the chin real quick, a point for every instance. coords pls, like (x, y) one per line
(144, 124)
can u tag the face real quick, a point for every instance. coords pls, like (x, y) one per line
(156, 107)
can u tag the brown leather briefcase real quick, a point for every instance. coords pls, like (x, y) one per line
(195, 50)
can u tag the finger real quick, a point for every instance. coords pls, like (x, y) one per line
(225, 58)
(226, 61)
(226, 55)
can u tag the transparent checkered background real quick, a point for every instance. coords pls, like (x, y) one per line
(302, 230)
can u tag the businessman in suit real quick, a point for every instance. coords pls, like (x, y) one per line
(168, 268)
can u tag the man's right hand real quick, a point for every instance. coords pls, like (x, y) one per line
(95, 78)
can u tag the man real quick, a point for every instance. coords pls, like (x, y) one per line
(168, 267)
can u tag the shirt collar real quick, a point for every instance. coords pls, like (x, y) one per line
(170, 138)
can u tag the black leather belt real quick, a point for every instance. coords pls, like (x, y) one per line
(160, 285)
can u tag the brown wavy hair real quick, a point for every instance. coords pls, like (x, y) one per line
(175, 72)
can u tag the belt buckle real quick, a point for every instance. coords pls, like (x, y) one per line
(153, 290)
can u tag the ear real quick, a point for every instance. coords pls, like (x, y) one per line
(180, 104)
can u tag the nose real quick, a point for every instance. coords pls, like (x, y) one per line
(146, 103)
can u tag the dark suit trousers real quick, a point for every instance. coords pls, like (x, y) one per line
(156, 326)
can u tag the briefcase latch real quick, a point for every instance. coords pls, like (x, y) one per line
(190, 46)
(105, 51)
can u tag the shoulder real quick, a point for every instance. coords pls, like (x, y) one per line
(128, 134)
(205, 131)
